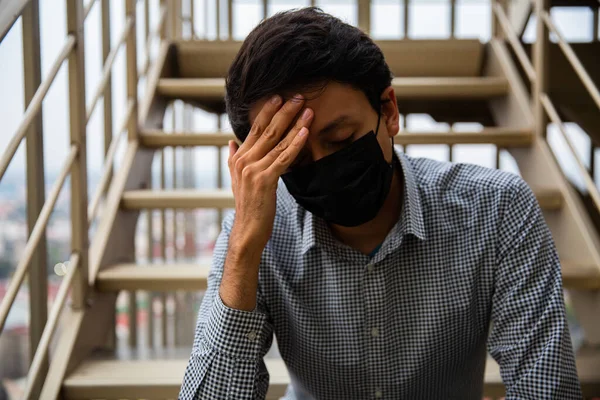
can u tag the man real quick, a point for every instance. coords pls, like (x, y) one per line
(379, 273)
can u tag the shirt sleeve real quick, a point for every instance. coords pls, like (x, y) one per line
(229, 345)
(530, 336)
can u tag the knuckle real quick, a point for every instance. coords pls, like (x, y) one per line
(280, 146)
(269, 133)
(283, 158)
(239, 164)
(247, 172)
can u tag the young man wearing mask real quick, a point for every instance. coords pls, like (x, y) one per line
(379, 273)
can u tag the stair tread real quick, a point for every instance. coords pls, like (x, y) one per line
(153, 277)
(405, 87)
(549, 198)
(163, 377)
(167, 277)
(505, 137)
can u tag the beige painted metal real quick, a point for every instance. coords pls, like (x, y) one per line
(519, 13)
(38, 276)
(163, 248)
(10, 10)
(193, 19)
(405, 88)
(555, 118)
(406, 58)
(112, 379)
(107, 96)
(34, 106)
(62, 354)
(34, 237)
(150, 255)
(98, 245)
(573, 59)
(158, 278)
(37, 365)
(88, 8)
(406, 17)
(132, 311)
(108, 161)
(541, 50)
(514, 41)
(107, 69)
(492, 135)
(78, 135)
(132, 76)
(548, 197)
(364, 15)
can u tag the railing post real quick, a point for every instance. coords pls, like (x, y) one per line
(364, 15)
(77, 114)
(406, 17)
(540, 63)
(108, 117)
(132, 71)
(38, 279)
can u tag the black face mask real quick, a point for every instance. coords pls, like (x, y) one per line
(347, 187)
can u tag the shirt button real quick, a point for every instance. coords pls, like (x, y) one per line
(251, 335)
(378, 394)
(370, 267)
(374, 332)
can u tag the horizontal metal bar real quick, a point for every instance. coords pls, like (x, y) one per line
(34, 106)
(57, 305)
(110, 155)
(574, 60)
(88, 8)
(505, 137)
(107, 69)
(514, 41)
(10, 11)
(34, 237)
(554, 117)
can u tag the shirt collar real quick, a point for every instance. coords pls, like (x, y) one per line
(315, 230)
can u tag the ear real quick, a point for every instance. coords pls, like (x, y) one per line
(389, 111)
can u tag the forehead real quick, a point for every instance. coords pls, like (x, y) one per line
(327, 104)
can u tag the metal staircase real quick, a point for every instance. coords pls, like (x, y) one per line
(497, 84)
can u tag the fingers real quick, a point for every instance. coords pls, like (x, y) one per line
(287, 156)
(272, 155)
(278, 126)
(261, 122)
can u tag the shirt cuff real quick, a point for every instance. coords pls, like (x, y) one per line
(237, 333)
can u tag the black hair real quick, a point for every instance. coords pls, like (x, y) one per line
(297, 51)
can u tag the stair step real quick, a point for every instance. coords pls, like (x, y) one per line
(160, 379)
(211, 89)
(158, 278)
(549, 199)
(193, 277)
(504, 137)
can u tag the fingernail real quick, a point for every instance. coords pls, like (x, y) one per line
(275, 99)
(306, 114)
(298, 97)
(303, 132)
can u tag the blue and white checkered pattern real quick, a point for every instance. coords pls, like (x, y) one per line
(471, 249)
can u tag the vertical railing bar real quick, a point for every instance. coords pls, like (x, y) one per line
(498, 154)
(133, 311)
(452, 19)
(150, 255)
(494, 20)
(265, 4)
(175, 230)
(192, 18)
(595, 24)
(364, 15)
(593, 161)
(147, 38)
(451, 147)
(219, 168)
(230, 19)
(77, 123)
(218, 17)
(540, 63)
(38, 278)
(406, 19)
(163, 243)
(205, 36)
(108, 114)
(132, 72)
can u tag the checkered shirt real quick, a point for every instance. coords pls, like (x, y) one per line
(469, 268)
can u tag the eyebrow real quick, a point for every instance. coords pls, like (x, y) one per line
(336, 123)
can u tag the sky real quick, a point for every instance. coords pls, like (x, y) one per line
(429, 19)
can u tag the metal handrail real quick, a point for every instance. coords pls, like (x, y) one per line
(88, 9)
(514, 41)
(574, 60)
(110, 156)
(555, 118)
(34, 238)
(35, 105)
(57, 306)
(107, 69)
